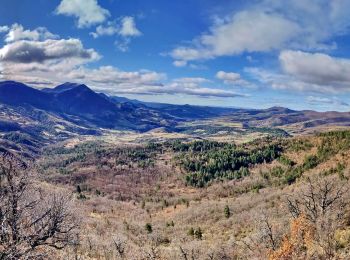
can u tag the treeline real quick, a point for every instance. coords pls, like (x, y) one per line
(205, 161)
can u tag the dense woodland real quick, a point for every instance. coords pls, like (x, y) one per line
(206, 161)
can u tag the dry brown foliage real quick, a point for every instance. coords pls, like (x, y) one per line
(32, 221)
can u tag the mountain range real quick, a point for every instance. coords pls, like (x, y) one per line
(78, 102)
(35, 117)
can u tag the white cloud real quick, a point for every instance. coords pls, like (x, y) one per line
(280, 81)
(180, 63)
(317, 69)
(122, 44)
(17, 32)
(38, 61)
(271, 25)
(114, 81)
(88, 12)
(108, 30)
(196, 90)
(128, 27)
(179, 89)
(27, 52)
(110, 76)
(197, 80)
(320, 75)
(228, 77)
(247, 31)
(4, 28)
(111, 80)
(125, 30)
(232, 78)
(317, 100)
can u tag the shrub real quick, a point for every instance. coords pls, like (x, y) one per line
(198, 233)
(310, 162)
(148, 228)
(286, 161)
(190, 232)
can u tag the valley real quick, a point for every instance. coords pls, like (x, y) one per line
(150, 196)
(160, 181)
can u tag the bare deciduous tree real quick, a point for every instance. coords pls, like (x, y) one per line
(119, 245)
(31, 221)
(152, 253)
(189, 254)
(318, 200)
(318, 212)
(268, 234)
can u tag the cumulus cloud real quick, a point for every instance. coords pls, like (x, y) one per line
(301, 71)
(108, 30)
(128, 27)
(17, 32)
(4, 28)
(48, 62)
(126, 30)
(317, 68)
(280, 81)
(49, 50)
(306, 72)
(232, 78)
(270, 25)
(39, 56)
(88, 12)
(247, 31)
(109, 76)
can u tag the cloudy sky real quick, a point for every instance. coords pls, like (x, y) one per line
(241, 53)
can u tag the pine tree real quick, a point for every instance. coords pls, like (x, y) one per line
(227, 211)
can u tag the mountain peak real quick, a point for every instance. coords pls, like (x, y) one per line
(69, 86)
(279, 109)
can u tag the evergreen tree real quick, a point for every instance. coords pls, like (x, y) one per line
(148, 228)
(227, 211)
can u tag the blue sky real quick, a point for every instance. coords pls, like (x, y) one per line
(257, 53)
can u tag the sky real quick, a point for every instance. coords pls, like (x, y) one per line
(235, 53)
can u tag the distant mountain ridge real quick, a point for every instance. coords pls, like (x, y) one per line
(31, 118)
(80, 105)
(70, 99)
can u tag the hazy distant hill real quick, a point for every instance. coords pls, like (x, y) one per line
(185, 112)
